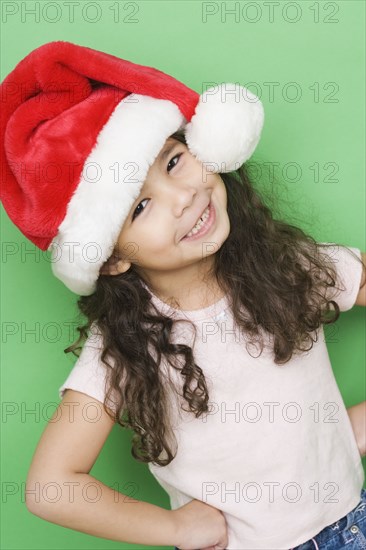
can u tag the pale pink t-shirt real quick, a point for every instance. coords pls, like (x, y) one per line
(277, 453)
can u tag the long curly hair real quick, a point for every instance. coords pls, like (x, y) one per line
(272, 269)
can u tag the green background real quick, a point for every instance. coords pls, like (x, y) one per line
(315, 49)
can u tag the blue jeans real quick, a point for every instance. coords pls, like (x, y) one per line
(349, 530)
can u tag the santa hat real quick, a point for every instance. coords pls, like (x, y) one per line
(80, 129)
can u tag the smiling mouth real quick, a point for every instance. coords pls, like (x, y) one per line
(200, 220)
(202, 224)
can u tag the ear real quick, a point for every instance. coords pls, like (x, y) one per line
(114, 265)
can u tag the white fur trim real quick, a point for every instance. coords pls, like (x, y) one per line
(226, 127)
(130, 140)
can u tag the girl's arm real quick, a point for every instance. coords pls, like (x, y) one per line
(59, 488)
(357, 415)
(361, 296)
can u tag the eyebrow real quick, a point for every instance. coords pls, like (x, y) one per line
(167, 151)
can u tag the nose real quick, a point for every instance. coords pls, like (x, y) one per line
(182, 197)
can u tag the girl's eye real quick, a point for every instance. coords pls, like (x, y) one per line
(137, 212)
(175, 157)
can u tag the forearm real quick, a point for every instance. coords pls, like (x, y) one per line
(357, 415)
(85, 504)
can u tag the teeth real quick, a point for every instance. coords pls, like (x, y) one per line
(200, 223)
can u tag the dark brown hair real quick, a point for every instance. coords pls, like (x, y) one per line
(272, 269)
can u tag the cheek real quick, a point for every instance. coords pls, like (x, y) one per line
(220, 193)
(223, 194)
(156, 239)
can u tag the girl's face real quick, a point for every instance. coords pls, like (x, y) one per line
(175, 193)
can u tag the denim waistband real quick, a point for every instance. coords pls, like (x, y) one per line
(326, 534)
(330, 531)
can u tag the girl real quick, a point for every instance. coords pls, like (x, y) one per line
(204, 321)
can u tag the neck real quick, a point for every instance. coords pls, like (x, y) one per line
(194, 287)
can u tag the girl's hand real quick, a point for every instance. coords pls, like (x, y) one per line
(200, 527)
(357, 416)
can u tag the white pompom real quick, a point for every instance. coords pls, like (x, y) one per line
(226, 127)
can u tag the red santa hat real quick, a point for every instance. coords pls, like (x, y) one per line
(80, 129)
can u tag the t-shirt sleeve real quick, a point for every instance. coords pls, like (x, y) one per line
(349, 274)
(89, 373)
